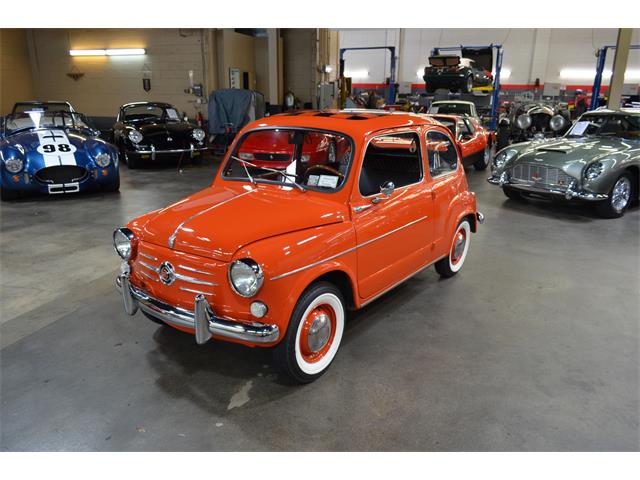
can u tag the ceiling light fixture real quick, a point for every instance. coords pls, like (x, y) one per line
(108, 52)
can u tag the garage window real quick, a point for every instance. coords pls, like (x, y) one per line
(442, 153)
(391, 158)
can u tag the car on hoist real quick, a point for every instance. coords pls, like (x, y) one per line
(455, 74)
(53, 151)
(273, 255)
(597, 161)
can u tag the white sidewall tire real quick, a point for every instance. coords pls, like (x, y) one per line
(464, 225)
(317, 367)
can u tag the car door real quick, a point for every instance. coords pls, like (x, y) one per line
(392, 230)
(443, 183)
(469, 139)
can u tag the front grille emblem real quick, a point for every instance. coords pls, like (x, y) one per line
(167, 273)
(536, 177)
(169, 139)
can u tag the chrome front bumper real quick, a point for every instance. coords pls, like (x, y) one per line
(569, 193)
(153, 152)
(202, 320)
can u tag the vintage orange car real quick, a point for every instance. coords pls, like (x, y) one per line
(275, 257)
(476, 142)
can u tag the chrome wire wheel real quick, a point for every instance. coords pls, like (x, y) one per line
(621, 194)
(469, 83)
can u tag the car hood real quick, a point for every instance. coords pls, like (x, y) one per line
(217, 221)
(571, 154)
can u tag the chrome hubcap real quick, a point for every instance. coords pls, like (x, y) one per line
(458, 247)
(487, 154)
(319, 333)
(621, 194)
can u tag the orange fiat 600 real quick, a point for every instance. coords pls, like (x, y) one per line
(275, 257)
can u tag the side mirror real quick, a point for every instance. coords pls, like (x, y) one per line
(386, 189)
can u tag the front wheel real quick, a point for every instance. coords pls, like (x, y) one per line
(314, 333)
(452, 263)
(619, 198)
(468, 86)
(483, 162)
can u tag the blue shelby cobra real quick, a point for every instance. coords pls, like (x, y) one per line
(54, 152)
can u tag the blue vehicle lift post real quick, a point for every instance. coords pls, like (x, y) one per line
(496, 78)
(391, 95)
(597, 81)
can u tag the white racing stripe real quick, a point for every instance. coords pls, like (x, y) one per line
(55, 148)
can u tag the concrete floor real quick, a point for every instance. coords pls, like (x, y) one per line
(533, 346)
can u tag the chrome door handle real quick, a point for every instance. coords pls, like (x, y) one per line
(361, 208)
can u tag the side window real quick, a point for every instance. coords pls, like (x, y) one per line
(442, 153)
(463, 130)
(391, 158)
(470, 125)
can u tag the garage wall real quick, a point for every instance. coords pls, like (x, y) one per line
(300, 62)
(15, 72)
(108, 82)
(528, 53)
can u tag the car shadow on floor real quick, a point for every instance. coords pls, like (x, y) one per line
(558, 209)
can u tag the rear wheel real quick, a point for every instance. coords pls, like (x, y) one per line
(452, 263)
(512, 194)
(619, 198)
(483, 162)
(468, 85)
(313, 335)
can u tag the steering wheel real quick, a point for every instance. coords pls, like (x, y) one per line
(325, 168)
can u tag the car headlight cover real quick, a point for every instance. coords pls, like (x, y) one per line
(102, 159)
(123, 239)
(246, 156)
(198, 134)
(13, 165)
(245, 277)
(594, 170)
(504, 156)
(523, 121)
(557, 122)
(135, 136)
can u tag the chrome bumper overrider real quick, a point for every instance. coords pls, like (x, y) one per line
(202, 320)
(569, 193)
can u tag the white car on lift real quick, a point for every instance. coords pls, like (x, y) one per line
(454, 107)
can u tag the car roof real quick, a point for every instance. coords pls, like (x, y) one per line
(136, 104)
(349, 121)
(453, 101)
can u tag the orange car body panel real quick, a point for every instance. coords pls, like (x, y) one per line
(477, 142)
(298, 236)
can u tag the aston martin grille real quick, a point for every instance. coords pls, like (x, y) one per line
(61, 174)
(540, 174)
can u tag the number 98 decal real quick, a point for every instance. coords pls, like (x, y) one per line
(60, 148)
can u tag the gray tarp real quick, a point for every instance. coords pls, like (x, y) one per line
(232, 107)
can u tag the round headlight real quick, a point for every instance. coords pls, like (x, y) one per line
(198, 134)
(523, 121)
(102, 159)
(594, 170)
(13, 165)
(245, 277)
(557, 122)
(504, 156)
(123, 239)
(135, 136)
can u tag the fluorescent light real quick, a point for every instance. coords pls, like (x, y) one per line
(587, 73)
(357, 74)
(111, 52)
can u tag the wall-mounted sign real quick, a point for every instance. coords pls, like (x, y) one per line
(234, 78)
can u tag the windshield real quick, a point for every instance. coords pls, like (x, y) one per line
(151, 112)
(304, 159)
(450, 108)
(610, 125)
(33, 119)
(44, 106)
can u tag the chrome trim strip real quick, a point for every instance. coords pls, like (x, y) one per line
(202, 319)
(190, 290)
(172, 238)
(150, 267)
(187, 279)
(184, 267)
(178, 150)
(150, 257)
(297, 270)
(142, 272)
(378, 295)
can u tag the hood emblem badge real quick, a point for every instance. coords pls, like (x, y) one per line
(169, 139)
(166, 273)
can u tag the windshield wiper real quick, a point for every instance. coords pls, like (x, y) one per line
(284, 174)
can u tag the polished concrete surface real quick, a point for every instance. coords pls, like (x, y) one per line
(533, 346)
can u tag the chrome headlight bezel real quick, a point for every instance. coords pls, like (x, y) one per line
(557, 123)
(102, 159)
(135, 136)
(594, 170)
(503, 157)
(247, 270)
(524, 121)
(14, 165)
(124, 243)
(198, 134)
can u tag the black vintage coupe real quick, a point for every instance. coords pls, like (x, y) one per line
(454, 73)
(145, 131)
